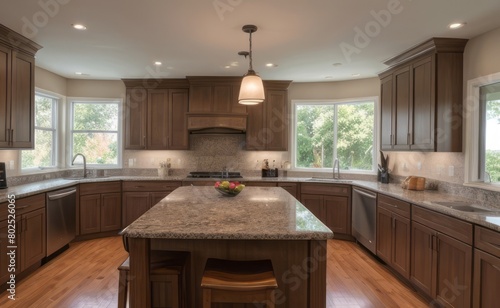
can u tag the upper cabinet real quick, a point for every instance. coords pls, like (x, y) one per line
(17, 89)
(267, 127)
(155, 114)
(421, 98)
(215, 95)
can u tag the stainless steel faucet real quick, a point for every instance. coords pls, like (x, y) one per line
(84, 163)
(336, 163)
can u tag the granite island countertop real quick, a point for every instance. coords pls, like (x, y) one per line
(257, 213)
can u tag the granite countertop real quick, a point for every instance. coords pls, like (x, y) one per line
(425, 199)
(257, 213)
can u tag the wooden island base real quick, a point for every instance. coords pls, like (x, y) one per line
(299, 266)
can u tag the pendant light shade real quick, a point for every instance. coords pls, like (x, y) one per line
(252, 88)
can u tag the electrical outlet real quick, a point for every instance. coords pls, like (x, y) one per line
(451, 170)
(419, 165)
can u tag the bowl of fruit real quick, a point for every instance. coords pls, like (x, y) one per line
(229, 189)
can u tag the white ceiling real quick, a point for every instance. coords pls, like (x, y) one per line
(197, 38)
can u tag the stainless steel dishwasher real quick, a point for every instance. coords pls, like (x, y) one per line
(61, 218)
(364, 217)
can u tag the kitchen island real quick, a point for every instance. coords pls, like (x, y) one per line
(259, 223)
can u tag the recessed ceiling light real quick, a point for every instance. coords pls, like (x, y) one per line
(456, 25)
(356, 75)
(157, 63)
(329, 77)
(235, 64)
(337, 64)
(271, 65)
(79, 27)
(78, 73)
(227, 66)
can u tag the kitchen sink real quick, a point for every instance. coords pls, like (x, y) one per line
(466, 207)
(328, 180)
(89, 177)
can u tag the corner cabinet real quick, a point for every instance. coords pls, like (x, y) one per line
(155, 114)
(267, 127)
(17, 90)
(100, 207)
(421, 98)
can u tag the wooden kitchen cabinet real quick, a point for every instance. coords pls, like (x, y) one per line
(155, 114)
(486, 267)
(421, 98)
(212, 94)
(30, 223)
(100, 207)
(268, 122)
(17, 89)
(292, 188)
(393, 233)
(441, 257)
(140, 196)
(330, 203)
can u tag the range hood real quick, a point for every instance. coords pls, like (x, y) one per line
(216, 123)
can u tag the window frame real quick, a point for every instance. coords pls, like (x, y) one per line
(354, 100)
(57, 101)
(472, 116)
(69, 136)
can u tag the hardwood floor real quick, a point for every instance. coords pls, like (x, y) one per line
(85, 276)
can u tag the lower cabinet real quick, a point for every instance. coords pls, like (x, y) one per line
(393, 233)
(30, 224)
(330, 203)
(100, 207)
(138, 197)
(486, 267)
(292, 188)
(441, 257)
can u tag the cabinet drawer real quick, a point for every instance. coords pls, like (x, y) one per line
(487, 240)
(150, 185)
(448, 225)
(261, 184)
(394, 205)
(325, 189)
(23, 205)
(99, 188)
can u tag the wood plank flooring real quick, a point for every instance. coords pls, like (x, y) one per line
(85, 276)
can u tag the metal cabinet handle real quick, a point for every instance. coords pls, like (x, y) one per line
(61, 195)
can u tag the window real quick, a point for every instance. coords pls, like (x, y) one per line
(44, 153)
(482, 114)
(324, 130)
(95, 131)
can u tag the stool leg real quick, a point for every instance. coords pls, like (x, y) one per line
(122, 289)
(207, 298)
(270, 299)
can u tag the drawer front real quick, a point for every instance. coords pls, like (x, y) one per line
(394, 205)
(325, 189)
(261, 184)
(151, 185)
(100, 188)
(448, 225)
(487, 240)
(23, 205)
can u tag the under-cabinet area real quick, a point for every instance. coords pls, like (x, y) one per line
(428, 249)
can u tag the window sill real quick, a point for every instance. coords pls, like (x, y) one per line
(486, 186)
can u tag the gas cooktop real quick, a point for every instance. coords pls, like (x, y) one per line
(214, 175)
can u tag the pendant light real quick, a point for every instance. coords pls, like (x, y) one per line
(252, 88)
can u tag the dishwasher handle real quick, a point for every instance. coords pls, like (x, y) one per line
(56, 196)
(364, 193)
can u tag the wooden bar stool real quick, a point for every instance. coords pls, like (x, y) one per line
(228, 281)
(167, 276)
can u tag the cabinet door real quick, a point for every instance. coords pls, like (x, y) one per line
(276, 120)
(5, 88)
(256, 134)
(337, 214)
(135, 204)
(486, 279)
(23, 101)
(111, 212)
(290, 187)
(384, 234)
(200, 98)
(222, 96)
(423, 269)
(386, 116)
(90, 214)
(454, 272)
(158, 196)
(314, 203)
(402, 108)
(158, 115)
(422, 135)
(33, 238)
(400, 259)
(178, 105)
(4, 258)
(135, 119)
